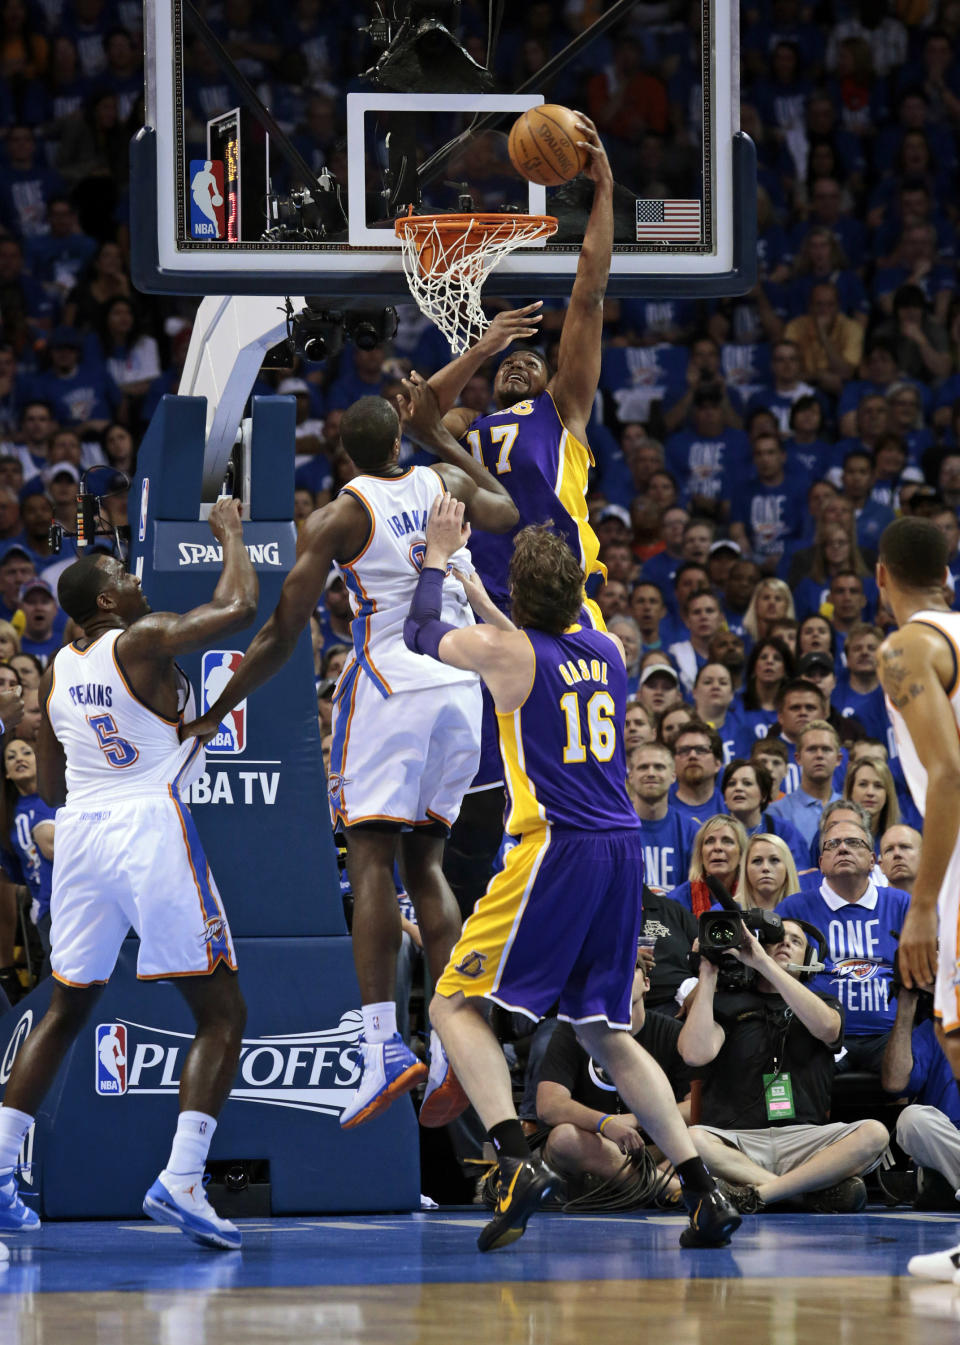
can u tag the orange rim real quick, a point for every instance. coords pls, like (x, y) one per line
(466, 231)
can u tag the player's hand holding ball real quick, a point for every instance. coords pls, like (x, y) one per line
(446, 531)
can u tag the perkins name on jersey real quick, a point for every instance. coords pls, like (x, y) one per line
(91, 693)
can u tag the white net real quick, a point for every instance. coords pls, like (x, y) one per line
(446, 265)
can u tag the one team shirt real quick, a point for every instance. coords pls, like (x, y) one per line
(862, 944)
(563, 747)
(667, 848)
(30, 811)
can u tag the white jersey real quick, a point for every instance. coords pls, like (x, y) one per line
(116, 747)
(381, 581)
(948, 623)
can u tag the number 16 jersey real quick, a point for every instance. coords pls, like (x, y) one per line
(563, 748)
(116, 747)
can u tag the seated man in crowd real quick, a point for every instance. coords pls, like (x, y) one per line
(592, 1132)
(927, 1130)
(766, 1097)
(862, 922)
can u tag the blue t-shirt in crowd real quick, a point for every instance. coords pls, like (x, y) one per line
(869, 707)
(698, 812)
(667, 847)
(862, 943)
(706, 466)
(772, 515)
(30, 811)
(931, 1081)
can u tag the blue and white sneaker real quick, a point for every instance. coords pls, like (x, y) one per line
(444, 1099)
(390, 1069)
(14, 1214)
(186, 1207)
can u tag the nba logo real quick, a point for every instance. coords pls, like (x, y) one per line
(217, 668)
(111, 1062)
(207, 210)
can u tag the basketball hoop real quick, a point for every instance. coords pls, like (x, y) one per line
(447, 258)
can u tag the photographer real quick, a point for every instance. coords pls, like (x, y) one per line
(592, 1130)
(915, 1066)
(767, 1096)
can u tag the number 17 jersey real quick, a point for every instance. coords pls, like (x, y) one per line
(563, 749)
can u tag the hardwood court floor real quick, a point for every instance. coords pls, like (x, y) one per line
(418, 1280)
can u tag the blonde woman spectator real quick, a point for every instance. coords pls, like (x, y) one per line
(718, 848)
(9, 641)
(771, 601)
(767, 872)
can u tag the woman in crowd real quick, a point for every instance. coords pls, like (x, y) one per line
(713, 702)
(718, 848)
(815, 635)
(771, 601)
(869, 783)
(769, 665)
(28, 668)
(132, 357)
(672, 721)
(9, 641)
(26, 830)
(767, 872)
(834, 550)
(747, 789)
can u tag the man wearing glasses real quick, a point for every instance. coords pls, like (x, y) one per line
(699, 755)
(862, 922)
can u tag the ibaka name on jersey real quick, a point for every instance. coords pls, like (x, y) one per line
(217, 668)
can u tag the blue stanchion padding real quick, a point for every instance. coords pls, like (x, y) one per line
(105, 1130)
(261, 804)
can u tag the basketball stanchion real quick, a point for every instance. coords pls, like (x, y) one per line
(447, 258)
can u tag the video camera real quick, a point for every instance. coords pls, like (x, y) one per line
(721, 932)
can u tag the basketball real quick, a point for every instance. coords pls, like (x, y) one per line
(543, 145)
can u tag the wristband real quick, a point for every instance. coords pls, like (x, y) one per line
(423, 630)
(603, 1121)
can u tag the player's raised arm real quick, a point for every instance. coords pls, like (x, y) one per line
(504, 658)
(233, 606)
(574, 385)
(916, 668)
(488, 504)
(513, 324)
(331, 530)
(51, 762)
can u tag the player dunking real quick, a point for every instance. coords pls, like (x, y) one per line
(406, 735)
(127, 853)
(559, 923)
(535, 443)
(920, 672)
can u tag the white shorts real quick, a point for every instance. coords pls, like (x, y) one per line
(406, 758)
(946, 990)
(136, 863)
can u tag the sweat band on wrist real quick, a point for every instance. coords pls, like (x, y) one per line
(603, 1121)
(423, 630)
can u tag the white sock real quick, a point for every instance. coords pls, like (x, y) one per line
(379, 1021)
(191, 1144)
(13, 1126)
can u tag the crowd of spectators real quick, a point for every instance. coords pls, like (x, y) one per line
(749, 451)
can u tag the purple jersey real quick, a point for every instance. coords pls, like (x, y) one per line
(544, 467)
(563, 748)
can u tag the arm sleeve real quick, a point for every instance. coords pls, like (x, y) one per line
(423, 630)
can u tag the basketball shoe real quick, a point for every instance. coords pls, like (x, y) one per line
(937, 1265)
(444, 1099)
(390, 1069)
(14, 1214)
(525, 1184)
(712, 1219)
(185, 1206)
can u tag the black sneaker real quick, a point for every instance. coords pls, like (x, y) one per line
(712, 1219)
(525, 1184)
(896, 1186)
(847, 1197)
(744, 1199)
(934, 1192)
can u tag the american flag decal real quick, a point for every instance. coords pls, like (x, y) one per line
(668, 221)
